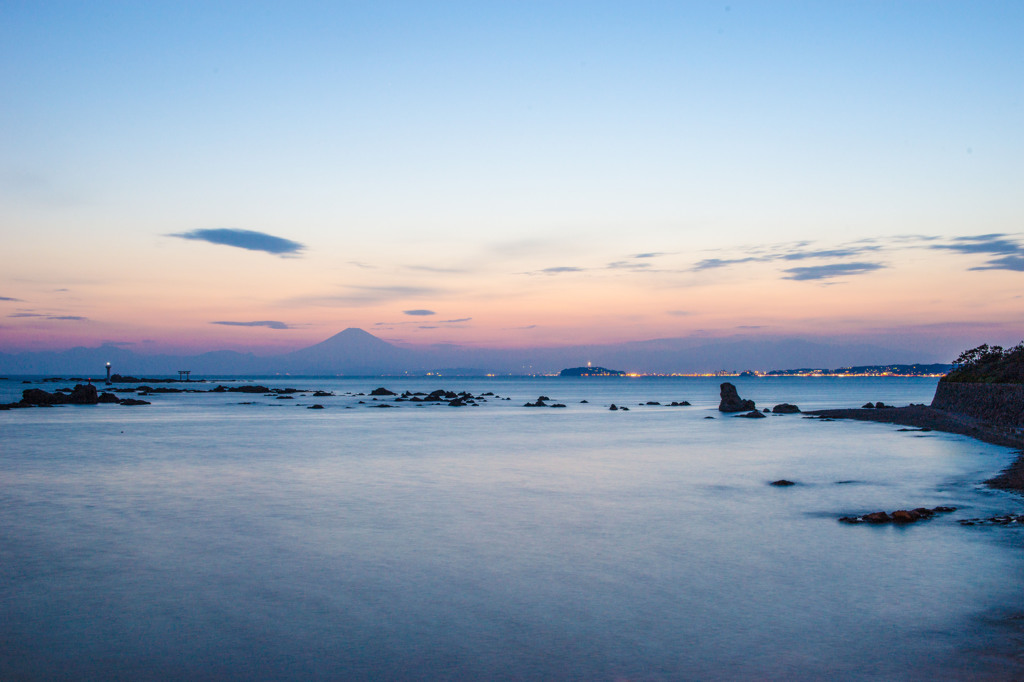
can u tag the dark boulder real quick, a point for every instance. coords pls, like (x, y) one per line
(37, 396)
(868, 406)
(782, 483)
(382, 391)
(133, 401)
(731, 401)
(243, 389)
(785, 408)
(315, 407)
(108, 398)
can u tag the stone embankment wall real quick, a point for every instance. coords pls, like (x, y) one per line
(996, 403)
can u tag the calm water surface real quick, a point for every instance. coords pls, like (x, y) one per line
(200, 538)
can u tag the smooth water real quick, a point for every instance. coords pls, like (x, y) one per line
(197, 537)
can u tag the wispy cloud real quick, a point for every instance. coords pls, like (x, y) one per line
(561, 269)
(419, 312)
(435, 269)
(8, 298)
(1008, 249)
(712, 263)
(50, 316)
(366, 295)
(815, 272)
(627, 265)
(364, 266)
(1015, 263)
(461, 319)
(983, 243)
(245, 239)
(679, 313)
(827, 253)
(271, 324)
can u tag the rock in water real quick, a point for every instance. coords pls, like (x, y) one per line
(785, 408)
(731, 401)
(84, 394)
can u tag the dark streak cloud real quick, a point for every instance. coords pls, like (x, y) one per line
(815, 272)
(419, 312)
(560, 269)
(1007, 248)
(8, 298)
(712, 263)
(271, 324)
(461, 319)
(244, 239)
(828, 253)
(626, 265)
(50, 316)
(366, 295)
(1014, 263)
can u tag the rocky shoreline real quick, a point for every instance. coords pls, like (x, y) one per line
(935, 419)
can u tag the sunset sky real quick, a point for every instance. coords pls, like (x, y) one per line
(259, 176)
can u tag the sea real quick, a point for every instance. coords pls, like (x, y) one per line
(223, 535)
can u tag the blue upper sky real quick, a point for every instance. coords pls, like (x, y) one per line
(417, 154)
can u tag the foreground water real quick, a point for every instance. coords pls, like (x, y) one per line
(198, 537)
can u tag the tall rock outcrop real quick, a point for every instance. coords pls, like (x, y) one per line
(731, 401)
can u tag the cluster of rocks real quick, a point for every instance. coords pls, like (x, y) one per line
(616, 408)
(732, 402)
(899, 516)
(81, 394)
(875, 406)
(440, 396)
(1005, 520)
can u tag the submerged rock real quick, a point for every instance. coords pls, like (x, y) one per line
(782, 483)
(785, 408)
(753, 414)
(900, 516)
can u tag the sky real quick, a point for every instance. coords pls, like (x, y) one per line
(181, 177)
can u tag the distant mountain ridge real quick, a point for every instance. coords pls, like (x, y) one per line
(354, 352)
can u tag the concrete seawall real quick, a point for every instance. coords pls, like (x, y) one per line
(995, 403)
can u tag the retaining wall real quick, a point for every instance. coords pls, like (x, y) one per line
(996, 403)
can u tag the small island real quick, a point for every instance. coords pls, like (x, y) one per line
(590, 372)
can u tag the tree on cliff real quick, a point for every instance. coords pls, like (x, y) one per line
(990, 365)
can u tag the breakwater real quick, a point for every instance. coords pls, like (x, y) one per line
(995, 403)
